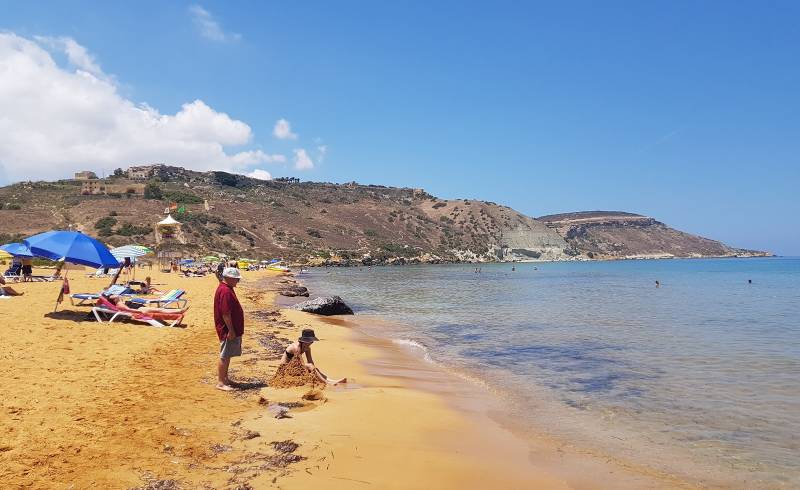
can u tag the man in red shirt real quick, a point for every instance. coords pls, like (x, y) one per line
(229, 322)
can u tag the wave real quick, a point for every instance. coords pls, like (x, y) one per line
(419, 347)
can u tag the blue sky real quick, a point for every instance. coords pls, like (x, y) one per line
(685, 111)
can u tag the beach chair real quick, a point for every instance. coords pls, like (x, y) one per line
(114, 312)
(44, 278)
(99, 274)
(86, 299)
(13, 273)
(172, 298)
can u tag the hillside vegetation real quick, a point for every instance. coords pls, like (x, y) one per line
(317, 222)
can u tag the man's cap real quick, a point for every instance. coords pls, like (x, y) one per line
(232, 273)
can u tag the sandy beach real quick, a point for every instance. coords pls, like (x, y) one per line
(128, 405)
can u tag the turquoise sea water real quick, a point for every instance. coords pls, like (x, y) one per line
(699, 377)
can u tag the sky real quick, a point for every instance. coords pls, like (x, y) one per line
(688, 112)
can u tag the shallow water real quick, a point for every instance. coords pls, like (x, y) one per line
(699, 377)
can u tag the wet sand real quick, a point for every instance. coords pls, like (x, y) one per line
(129, 405)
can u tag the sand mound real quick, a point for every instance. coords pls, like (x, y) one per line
(292, 374)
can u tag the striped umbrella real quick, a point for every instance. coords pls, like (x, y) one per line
(131, 251)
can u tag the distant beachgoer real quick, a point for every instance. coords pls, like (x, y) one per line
(229, 323)
(146, 286)
(220, 268)
(7, 290)
(513, 269)
(303, 346)
(749, 281)
(658, 284)
(150, 265)
(27, 270)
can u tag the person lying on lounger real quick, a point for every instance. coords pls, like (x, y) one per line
(120, 303)
(145, 287)
(303, 346)
(7, 290)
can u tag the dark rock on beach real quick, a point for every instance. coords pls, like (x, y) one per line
(293, 291)
(329, 305)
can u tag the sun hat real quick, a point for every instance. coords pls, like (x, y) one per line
(232, 272)
(307, 336)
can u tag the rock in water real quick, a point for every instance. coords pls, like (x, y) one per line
(328, 305)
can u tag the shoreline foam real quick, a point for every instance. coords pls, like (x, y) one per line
(472, 397)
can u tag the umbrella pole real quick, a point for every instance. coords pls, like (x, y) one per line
(116, 276)
(60, 293)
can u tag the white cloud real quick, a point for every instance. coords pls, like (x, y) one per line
(55, 121)
(209, 27)
(322, 150)
(245, 158)
(260, 174)
(302, 161)
(283, 130)
(76, 54)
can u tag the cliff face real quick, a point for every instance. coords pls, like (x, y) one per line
(318, 222)
(613, 234)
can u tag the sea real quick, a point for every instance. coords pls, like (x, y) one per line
(697, 376)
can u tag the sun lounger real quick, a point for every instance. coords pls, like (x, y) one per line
(172, 298)
(13, 273)
(85, 299)
(106, 307)
(44, 278)
(99, 273)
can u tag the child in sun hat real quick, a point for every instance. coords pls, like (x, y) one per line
(303, 346)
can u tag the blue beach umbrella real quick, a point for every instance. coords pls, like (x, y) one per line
(17, 249)
(72, 247)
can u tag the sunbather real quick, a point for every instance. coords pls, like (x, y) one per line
(119, 302)
(145, 287)
(7, 290)
(303, 346)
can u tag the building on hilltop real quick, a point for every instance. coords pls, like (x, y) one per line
(143, 172)
(85, 175)
(100, 187)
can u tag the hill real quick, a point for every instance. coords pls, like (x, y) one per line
(616, 234)
(316, 222)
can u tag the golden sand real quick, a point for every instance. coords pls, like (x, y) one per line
(124, 405)
(292, 374)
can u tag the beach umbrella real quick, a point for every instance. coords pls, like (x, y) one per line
(72, 247)
(131, 251)
(210, 258)
(17, 249)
